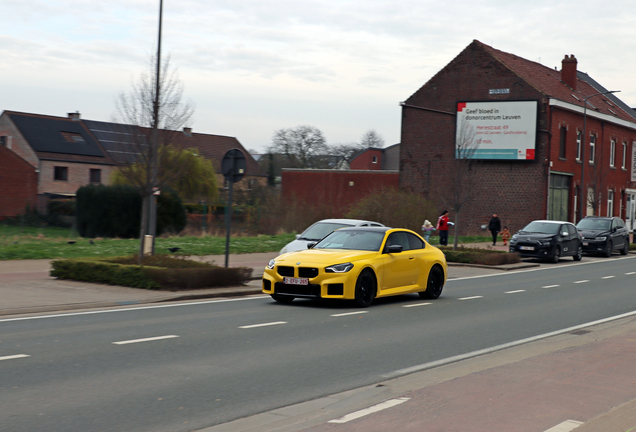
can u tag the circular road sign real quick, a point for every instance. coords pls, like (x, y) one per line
(234, 165)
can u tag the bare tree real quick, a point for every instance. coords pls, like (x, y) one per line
(152, 111)
(372, 139)
(596, 183)
(461, 187)
(304, 144)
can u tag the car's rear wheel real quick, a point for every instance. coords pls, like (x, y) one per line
(579, 254)
(434, 284)
(609, 249)
(556, 255)
(365, 289)
(625, 249)
(282, 298)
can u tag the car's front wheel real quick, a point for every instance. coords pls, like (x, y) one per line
(625, 249)
(579, 254)
(434, 284)
(282, 298)
(365, 289)
(556, 255)
(609, 249)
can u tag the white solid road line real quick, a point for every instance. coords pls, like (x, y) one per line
(263, 325)
(145, 339)
(515, 291)
(417, 304)
(566, 426)
(551, 286)
(470, 298)
(349, 313)
(17, 356)
(379, 407)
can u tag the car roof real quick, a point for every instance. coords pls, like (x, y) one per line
(600, 217)
(347, 221)
(552, 221)
(371, 229)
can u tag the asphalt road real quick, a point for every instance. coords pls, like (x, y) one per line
(215, 361)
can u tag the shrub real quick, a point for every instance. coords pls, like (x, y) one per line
(479, 256)
(160, 272)
(171, 215)
(108, 211)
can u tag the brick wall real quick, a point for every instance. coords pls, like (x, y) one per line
(364, 161)
(516, 190)
(78, 175)
(338, 189)
(18, 184)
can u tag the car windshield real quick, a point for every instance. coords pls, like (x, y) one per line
(542, 227)
(352, 239)
(319, 230)
(594, 224)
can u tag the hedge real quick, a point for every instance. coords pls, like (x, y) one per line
(164, 273)
(480, 256)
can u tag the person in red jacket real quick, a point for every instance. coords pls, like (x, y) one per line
(442, 227)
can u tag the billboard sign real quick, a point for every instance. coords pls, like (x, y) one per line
(496, 130)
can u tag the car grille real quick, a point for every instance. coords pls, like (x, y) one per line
(307, 272)
(312, 290)
(286, 271)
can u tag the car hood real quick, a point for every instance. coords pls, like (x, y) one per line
(318, 257)
(593, 233)
(533, 236)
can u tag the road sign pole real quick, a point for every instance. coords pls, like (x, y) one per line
(228, 223)
(233, 166)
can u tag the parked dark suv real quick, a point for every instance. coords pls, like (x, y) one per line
(603, 235)
(548, 240)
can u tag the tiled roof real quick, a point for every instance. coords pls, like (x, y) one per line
(548, 81)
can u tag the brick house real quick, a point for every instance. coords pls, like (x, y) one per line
(542, 180)
(18, 182)
(376, 159)
(63, 152)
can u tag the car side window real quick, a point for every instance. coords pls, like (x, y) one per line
(572, 229)
(414, 242)
(398, 238)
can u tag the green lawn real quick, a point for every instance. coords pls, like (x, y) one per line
(48, 243)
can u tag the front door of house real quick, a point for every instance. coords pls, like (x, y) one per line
(559, 197)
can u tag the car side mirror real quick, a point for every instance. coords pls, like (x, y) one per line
(564, 234)
(394, 249)
(614, 229)
(310, 245)
(297, 236)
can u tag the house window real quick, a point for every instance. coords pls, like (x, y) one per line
(562, 139)
(610, 203)
(60, 173)
(624, 155)
(3, 141)
(592, 148)
(612, 153)
(375, 159)
(96, 175)
(578, 146)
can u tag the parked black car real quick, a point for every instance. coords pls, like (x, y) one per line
(603, 235)
(548, 240)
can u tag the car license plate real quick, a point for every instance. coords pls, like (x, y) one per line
(526, 247)
(295, 281)
(585, 243)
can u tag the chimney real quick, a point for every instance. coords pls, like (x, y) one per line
(568, 71)
(74, 116)
(187, 131)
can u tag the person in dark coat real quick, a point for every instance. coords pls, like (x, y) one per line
(494, 226)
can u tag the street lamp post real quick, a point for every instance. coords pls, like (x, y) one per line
(582, 188)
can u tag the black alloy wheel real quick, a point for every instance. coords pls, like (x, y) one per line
(556, 255)
(283, 298)
(609, 249)
(365, 289)
(435, 283)
(579, 254)
(625, 249)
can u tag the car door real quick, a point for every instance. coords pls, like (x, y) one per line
(400, 269)
(568, 240)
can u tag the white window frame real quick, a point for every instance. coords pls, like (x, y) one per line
(612, 161)
(610, 203)
(579, 137)
(624, 155)
(592, 149)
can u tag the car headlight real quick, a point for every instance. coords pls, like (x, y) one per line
(600, 239)
(271, 264)
(339, 268)
(514, 239)
(545, 242)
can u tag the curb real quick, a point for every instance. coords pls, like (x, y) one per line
(503, 267)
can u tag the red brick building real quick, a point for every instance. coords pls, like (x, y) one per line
(336, 189)
(542, 180)
(18, 182)
(377, 159)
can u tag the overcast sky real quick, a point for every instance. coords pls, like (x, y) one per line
(252, 67)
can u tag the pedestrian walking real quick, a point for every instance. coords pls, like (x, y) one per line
(442, 227)
(505, 235)
(494, 226)
(427, 228)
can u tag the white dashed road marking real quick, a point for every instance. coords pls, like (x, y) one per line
(607, 277)
(550, 286)
(263, 325)
(566, 426)
(417, 304)
(630, 273)
(379, 407)
(470, 298)
(17, 356)
(515, 291)
(349, 313)
(583, 281)
(145, 339)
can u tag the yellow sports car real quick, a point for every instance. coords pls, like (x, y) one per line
(360, 264)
